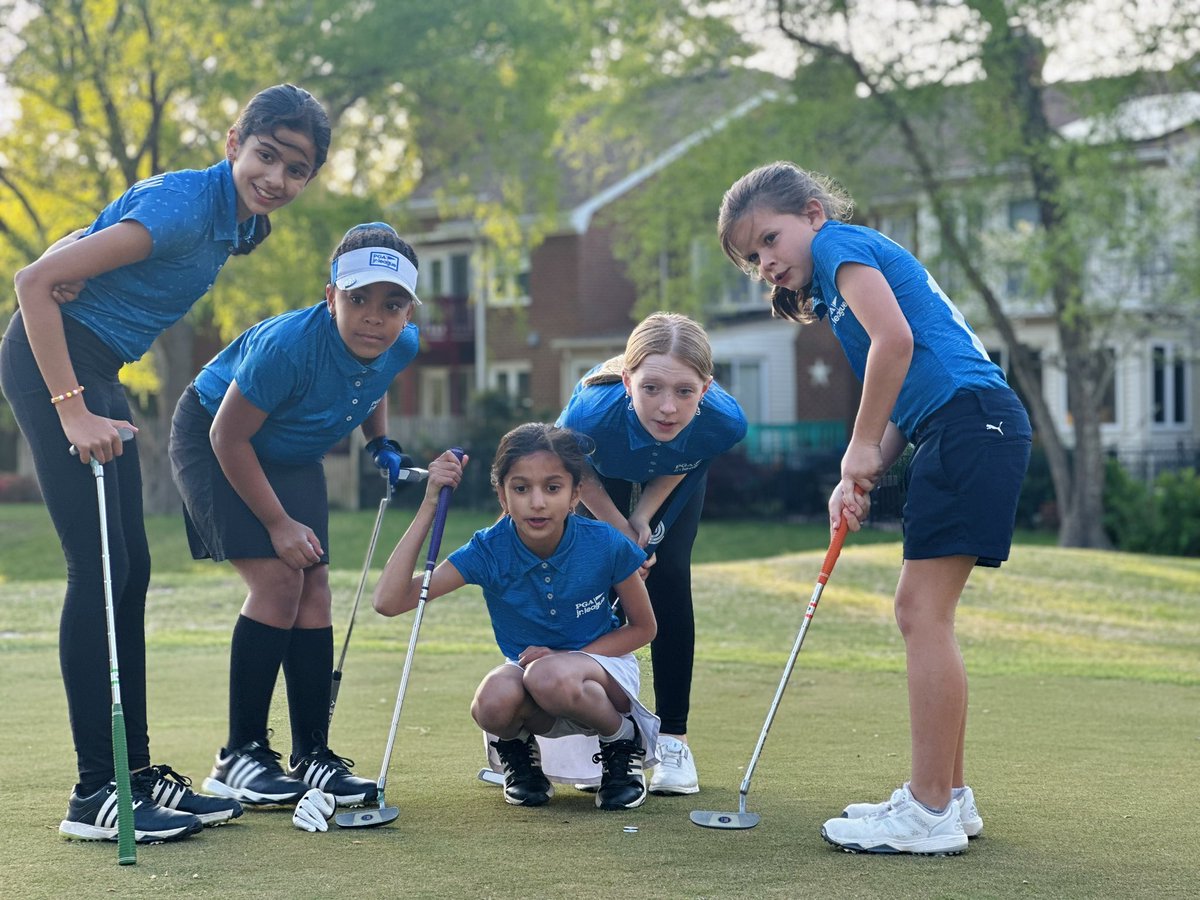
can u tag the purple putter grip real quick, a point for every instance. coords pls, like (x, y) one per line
(439, 517)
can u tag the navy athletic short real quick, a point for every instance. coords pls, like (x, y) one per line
(965, 477)
(219, 524)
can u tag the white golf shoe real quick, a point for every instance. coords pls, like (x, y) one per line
(676, 770)
(902, 826)
(968, 812)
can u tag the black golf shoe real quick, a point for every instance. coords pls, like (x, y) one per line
(524, 782)
(325, 770)
(622, 782)
(252, 775)
(94, 817)
(170, 790)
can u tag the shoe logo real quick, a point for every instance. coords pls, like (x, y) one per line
(987, 427)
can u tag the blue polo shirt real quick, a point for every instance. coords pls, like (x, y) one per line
(561, 602)
(296, 368)
(192, 218)
(626, 450)
(947, 355)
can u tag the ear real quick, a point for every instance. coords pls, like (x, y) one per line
(575, 495)
(627, 381)
(814, 210)
(330, 294)
(500, 497)
(231, 145)
(707, 385)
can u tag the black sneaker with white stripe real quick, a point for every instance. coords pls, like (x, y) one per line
(94, 817)
(623, 780)
(252, 775)
(171, 790)
(325, 770)
(525, 784)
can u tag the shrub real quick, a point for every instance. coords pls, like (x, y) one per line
(1163, 517)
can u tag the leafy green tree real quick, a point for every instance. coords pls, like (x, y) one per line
(949, 101)
(108, 92)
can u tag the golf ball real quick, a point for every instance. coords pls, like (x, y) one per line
(630, 829)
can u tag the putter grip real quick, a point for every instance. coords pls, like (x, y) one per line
(439, 517)
(123, 433)
(126, 843)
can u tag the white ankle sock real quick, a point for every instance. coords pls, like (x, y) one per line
(624, 733)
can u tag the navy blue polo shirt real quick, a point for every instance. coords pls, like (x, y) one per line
(947, 355)
(561, 602)
(625, 450)
(296, 368)
(192, 219)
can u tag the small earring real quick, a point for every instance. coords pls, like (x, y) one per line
(697, 409)
(629, 405)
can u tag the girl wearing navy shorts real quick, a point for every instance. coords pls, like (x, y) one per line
(569, 676)
(928, 381)
(657, 419)
(246, 447)
(144, 261)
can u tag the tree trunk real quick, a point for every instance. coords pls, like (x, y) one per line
(173, 362)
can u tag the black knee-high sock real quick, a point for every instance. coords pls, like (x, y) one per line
(254, 658)
(307, 667)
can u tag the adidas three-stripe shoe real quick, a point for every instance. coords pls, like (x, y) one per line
(94, 817)
(251, 774)
(169, 789)
(325, 770)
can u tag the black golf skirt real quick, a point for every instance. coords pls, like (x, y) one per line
(220, 525)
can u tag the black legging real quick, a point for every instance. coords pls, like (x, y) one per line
(69, 490)
(670, 588)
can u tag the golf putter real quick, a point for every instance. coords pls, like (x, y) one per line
(742, 819)
(126, 833)
(410, 476)
(383, 814)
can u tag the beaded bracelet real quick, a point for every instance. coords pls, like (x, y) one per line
(54, 401)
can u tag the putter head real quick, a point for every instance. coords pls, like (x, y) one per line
(733, 821)
(367, 818)
(487, 776)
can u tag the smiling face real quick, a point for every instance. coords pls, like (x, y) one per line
(538, 493)
(779, 245)
(369, 317)
(666, 392)
(269, 170)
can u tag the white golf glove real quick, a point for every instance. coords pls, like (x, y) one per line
(314, 811)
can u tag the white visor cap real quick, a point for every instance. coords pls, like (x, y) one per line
(368, 265)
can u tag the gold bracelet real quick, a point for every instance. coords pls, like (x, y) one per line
(54, 401)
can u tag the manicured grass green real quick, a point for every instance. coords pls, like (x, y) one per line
(1083, 744)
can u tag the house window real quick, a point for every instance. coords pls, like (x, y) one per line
(435, 392)
(444, 273)
(1169, 381)
(512, 380)
(1107, 409)
(743, 379)
(512, 283)
(1023, 217)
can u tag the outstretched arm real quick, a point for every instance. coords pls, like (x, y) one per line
(398, 589)
(235, 423)
(874, 304)
(116, 246)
